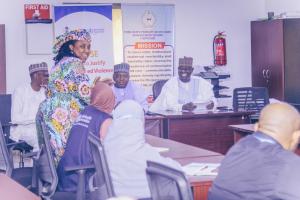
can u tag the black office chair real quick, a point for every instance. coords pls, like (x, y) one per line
(250, 99)
(21, 175)
(5, 114)
(102, 183)
(167, 183)
(5, 118)
(47, 175)
(6, 162)
(156, 88)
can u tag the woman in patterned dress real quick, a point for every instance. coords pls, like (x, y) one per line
(68, 87)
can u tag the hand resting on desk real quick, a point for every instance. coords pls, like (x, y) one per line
(189, 106)
(209, 105)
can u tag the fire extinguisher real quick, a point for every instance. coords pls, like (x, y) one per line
(219, 48)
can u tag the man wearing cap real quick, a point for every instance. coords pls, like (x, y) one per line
(25, 103)
(185, 92)
(126, 89)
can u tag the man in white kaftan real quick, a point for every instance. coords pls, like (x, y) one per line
(25, 103)
(185, 92)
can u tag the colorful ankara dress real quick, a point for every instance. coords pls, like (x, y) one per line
(68, 94)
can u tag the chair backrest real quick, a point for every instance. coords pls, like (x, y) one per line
(46, 170)
(5, 112)
(250, 99)
(167, 183)
(102, 179)
(156, 88)
(6, 162)
(5, 107)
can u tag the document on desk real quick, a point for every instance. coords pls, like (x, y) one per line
(201, 169)
(202, 105)
(161, 149)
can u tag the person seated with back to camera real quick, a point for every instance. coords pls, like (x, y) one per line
(25, 103)
(185, 91)
(263, 164)
(95, 118)
(125, 89)
(127, 152)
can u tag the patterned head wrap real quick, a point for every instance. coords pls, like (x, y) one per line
(78, 34)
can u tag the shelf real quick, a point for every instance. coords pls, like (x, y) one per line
(222, 96)
(220, 87)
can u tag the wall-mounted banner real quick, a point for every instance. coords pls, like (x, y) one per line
(97, 19)
(148, 38)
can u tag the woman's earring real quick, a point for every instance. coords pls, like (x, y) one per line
(72, 52)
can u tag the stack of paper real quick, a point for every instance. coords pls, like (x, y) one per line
(201, 169)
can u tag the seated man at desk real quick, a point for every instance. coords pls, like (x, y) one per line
(25, 103)
(126, 89)
(185, 91)
(262, 165)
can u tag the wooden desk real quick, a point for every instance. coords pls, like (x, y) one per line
(208, 130)
(179, 150)
(11, 190)
(154, 125)
(186, 154)
(243, 130)
(201, 184)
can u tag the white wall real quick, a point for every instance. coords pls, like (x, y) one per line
(280, 6)
(197, 21)
(17, 61)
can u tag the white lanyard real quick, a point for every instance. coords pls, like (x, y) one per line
(264, 139)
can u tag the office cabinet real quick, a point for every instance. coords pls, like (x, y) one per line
(275, 56)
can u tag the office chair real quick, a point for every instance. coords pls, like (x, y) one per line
(103, 187)
(47, 175)
(167, 183)
(6, 162)
(5, 118)
(21, 175)
(250, 99)
(156, 88)
(5, 115)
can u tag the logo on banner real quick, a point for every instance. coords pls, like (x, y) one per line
(148, 19)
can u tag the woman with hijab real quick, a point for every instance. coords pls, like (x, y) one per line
(127, 151)
(68, 87)
(96, 119)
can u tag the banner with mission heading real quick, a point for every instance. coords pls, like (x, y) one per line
(148, 39)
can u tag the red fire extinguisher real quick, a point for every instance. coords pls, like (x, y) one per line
(219, 48)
